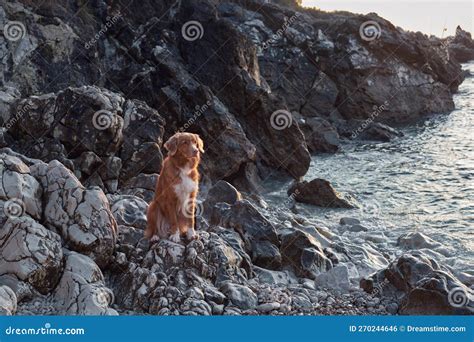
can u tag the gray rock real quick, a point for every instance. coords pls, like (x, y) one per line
(240, 295)
(82, 216)
(341, 277)
(31, 252)
(8, 301)
(349, 221)
(268, 307)
(81, 289)
(304, 253)
(129, 210)
(417, 240)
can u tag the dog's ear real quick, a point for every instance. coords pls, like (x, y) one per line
(172, 144)
(200, 143)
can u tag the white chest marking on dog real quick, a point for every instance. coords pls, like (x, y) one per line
(186, 185)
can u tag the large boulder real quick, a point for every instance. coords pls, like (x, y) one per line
(81, 216)
(426, 288)
(318, 192)
(258, 233)
(81, 289)
(461, 46)
(31, 252)
(303, 253)
(8, 301)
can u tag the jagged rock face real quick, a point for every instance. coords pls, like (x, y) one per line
(462, 46)
(31, 252)
(81, 290)
(82, 216)
(426, 287)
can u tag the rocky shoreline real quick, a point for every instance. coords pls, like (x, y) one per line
(266, 86)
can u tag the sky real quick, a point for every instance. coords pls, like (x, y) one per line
(427, 16)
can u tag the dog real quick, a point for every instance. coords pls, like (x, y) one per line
(171, 212)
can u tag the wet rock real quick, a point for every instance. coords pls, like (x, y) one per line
(318, 192)
(240, 295)
(31, 252)
(379, 132)
(348, 221)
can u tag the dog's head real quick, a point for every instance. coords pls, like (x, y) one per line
(188, 145)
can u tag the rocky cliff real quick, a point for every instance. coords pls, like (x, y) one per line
(89, 92)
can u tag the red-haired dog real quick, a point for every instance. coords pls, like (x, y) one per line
(171, 212)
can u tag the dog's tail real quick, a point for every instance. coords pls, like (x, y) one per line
(151, 216)
(156, 222)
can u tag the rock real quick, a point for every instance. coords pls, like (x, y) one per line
(426, 287)
(356, 228)
(268, 307)
(349, 221)
(81, 289)
(240, 295)
(274, 277)
(341, 277)
(31, 252)
(259, 234)
(222, 192)
(8, 301)
(320, 135)
(318, 192)
(377, 132)
(304, 253)
(129, 210)
(142, 186)
(416, 240)
(461, 47)
(20, 193)
(82, 216)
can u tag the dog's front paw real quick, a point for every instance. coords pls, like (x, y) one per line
(191, 234)
(175, 237)
(154, 238)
